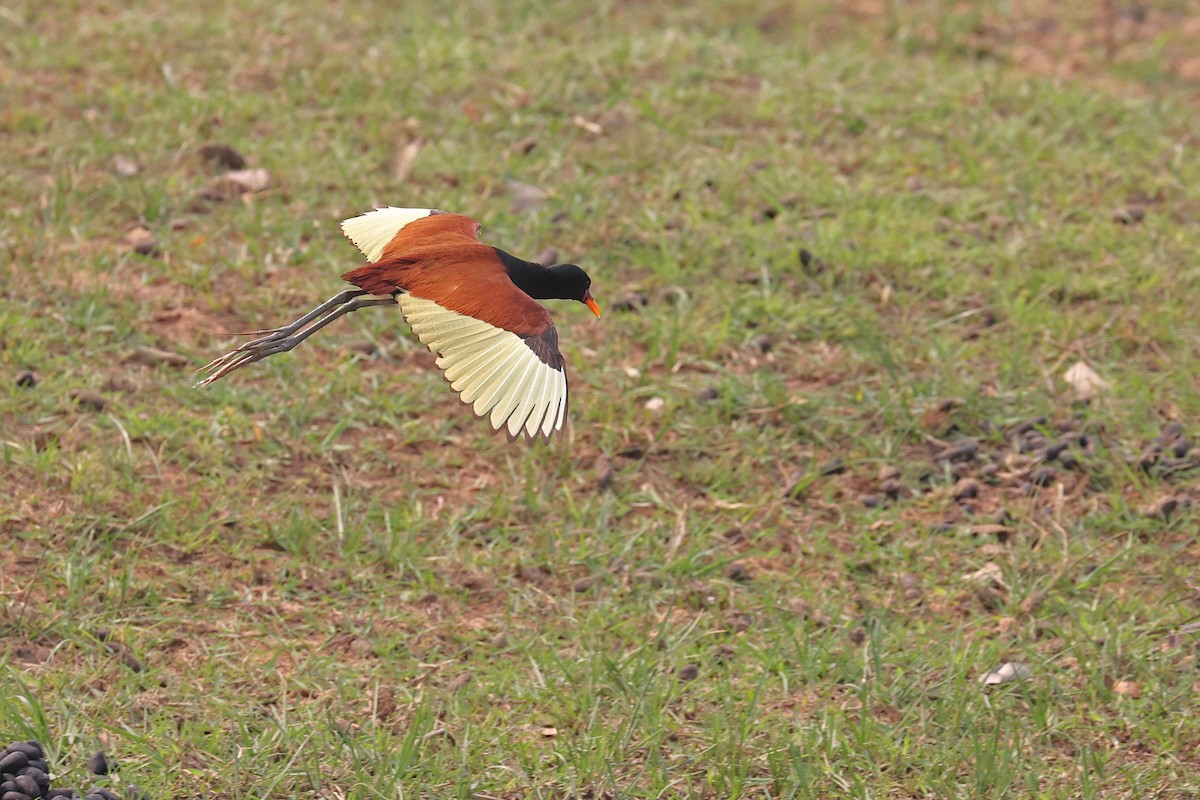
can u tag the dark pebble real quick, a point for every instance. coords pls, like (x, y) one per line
(1170, 432)
(1043, 476)
(647, 577)
(363, 347)
(127, 656)
(1052, 451)
(65, 793)
(1129, 216)
(760, 344)
(26, 379)
(14, 762)
(98, 763)
(26, 784)
(89, 401)
(989, 472)
(1164, 508)
(1069, 460)
(119, 383)
(964, 450)
(806, 257)
(740, 623)
(606, 476)
(892, 488)
(39, 763)
(1029, 425)
(1032, 442)
(1175, 464)
(31, 748)
(16, 796)
(871, 501)
(1180, 447)
(707, 394)
(631, 302)
(223, 155)
(833, 467)
(857, 636)
(966, 489)
(39, 777)
(100, 793)
(688, 672)
(1026, 488)
(134, 792)
(739, 572)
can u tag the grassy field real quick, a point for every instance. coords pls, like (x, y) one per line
(824, 472)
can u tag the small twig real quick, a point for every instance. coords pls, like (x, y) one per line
(680, 532)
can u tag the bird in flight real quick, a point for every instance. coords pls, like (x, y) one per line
(471, 304)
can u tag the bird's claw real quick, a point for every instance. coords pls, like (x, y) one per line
(275, 342)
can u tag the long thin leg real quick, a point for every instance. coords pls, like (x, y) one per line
(337, 300)
(273, 334)
(280, 340)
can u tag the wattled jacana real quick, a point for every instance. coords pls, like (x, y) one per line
(470, 304)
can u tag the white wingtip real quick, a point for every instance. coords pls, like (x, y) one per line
(372, 231)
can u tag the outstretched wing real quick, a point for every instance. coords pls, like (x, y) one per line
(391, 229)
(518, 382)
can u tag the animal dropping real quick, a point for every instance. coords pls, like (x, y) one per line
(474, 306)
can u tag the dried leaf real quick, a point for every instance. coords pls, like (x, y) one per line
(1130, 215)
(236, 183)
(989, 574)
(1127, 689)
(152, 356)
(125, 166)
(587, 125)
(1084, 380)
(989, 528)
(655, 404)
(458, 681)
(525, 196)
(1005, 673)
(402, 164)
(141, 241)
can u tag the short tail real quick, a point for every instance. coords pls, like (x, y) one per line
(370, 278)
